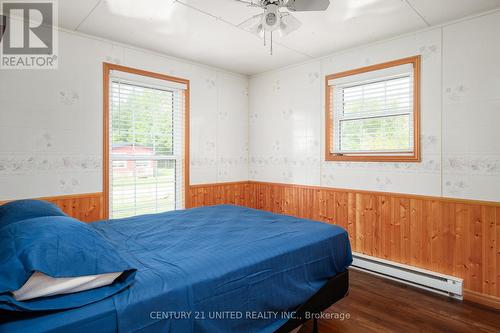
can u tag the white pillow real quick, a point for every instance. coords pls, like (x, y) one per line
(41, 285)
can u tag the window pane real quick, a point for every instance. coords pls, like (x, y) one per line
(390, 133)
(383, 97)
(145, 174)
(142, 187)
(142, 120)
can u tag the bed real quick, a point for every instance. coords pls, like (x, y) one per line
(211, 269)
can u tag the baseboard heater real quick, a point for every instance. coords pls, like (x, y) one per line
(417, 277)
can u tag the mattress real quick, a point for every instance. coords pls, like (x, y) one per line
(211, 269)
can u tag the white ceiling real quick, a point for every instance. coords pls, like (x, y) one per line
(206, 31)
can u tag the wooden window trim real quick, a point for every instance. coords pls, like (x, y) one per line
(107, 68)
(376, 157)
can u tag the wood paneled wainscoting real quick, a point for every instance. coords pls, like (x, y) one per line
(451, 236)
(236, 193)
(90, 207)
(84, 207)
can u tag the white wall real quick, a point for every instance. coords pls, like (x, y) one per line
(460, 117)
(51, 120)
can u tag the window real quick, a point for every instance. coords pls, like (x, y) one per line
(119, 164)
(145, 142)
(372, 113)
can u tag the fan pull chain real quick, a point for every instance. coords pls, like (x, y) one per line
(264, 37)
(271, 43)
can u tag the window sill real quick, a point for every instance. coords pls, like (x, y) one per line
(373, 158)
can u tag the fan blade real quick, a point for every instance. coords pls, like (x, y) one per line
(307, 5)
(253, 24)
(288, 24)
(250, 3)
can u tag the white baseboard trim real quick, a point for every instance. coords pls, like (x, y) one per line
(421, 278)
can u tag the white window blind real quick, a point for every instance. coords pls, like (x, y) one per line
(373, 112)
(146, 145)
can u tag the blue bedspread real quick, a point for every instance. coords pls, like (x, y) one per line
(211, 269)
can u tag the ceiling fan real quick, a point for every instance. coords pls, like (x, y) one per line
(273, 19)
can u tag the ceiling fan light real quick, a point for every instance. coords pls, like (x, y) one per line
(288, 24)
(271, 18)
(260, 31)
(282, 30)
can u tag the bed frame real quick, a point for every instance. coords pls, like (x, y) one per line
(334, 290)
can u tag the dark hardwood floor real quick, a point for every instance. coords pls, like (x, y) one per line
(380, 305)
